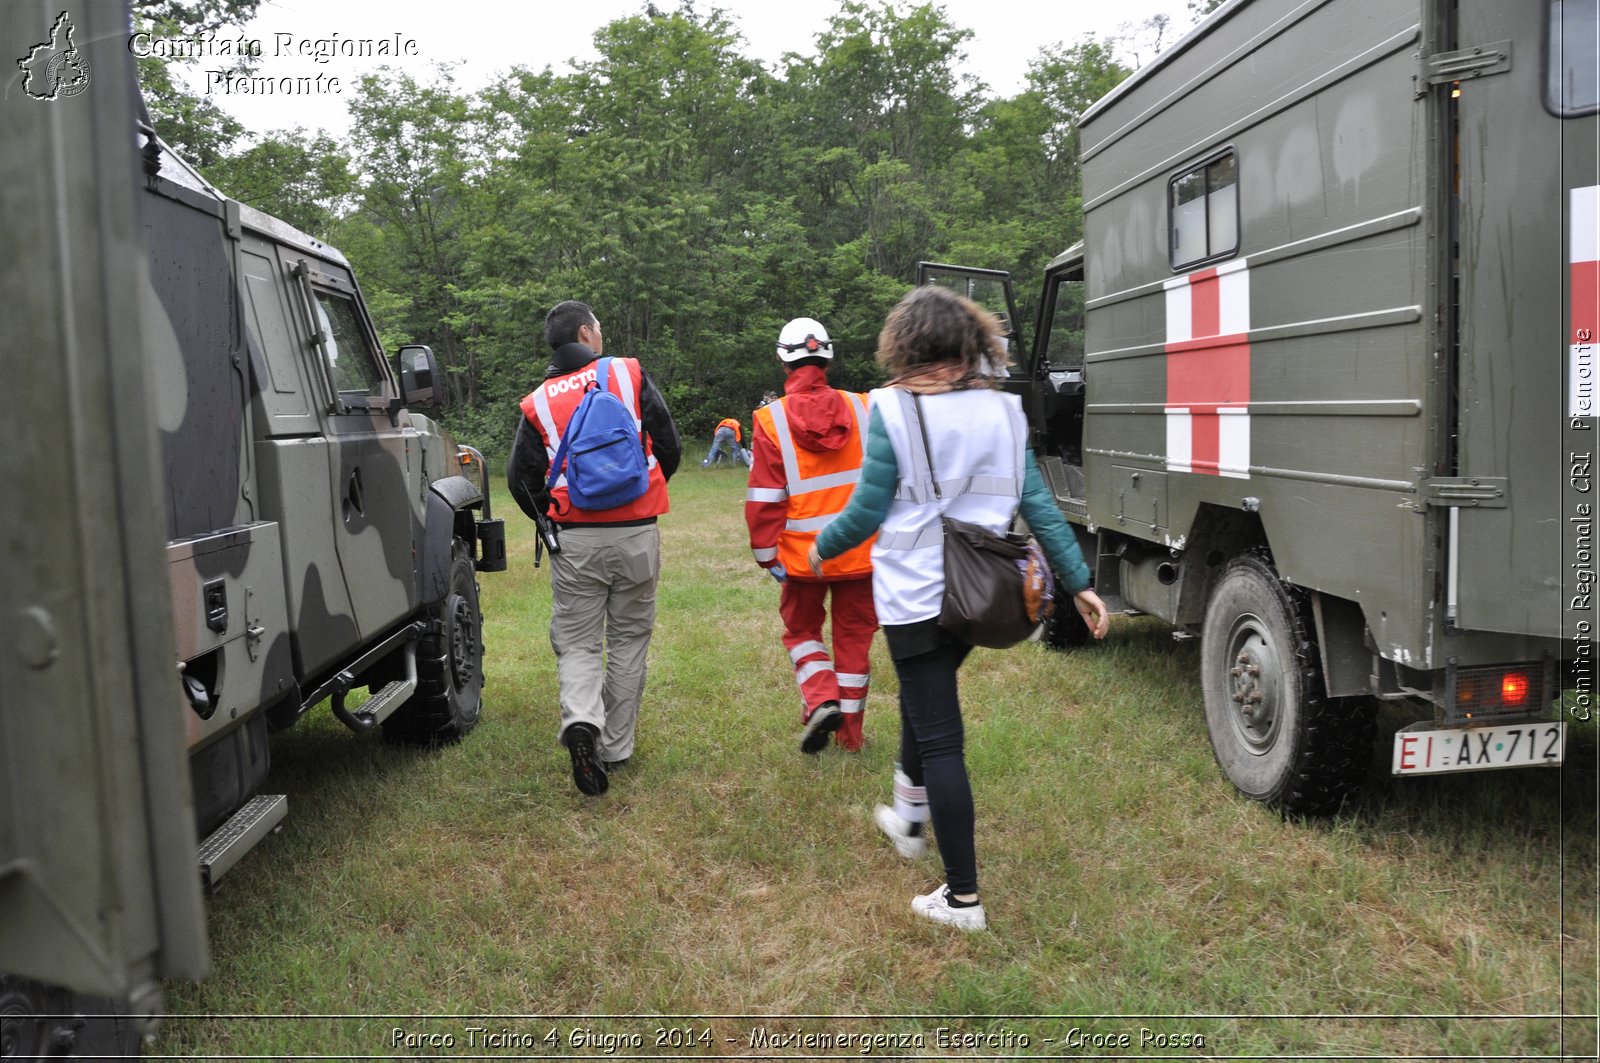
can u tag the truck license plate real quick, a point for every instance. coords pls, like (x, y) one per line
(1513, 745)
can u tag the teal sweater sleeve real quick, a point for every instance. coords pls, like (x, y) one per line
(869, 505)
(1044, 519)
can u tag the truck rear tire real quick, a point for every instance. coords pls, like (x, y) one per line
(39, 1021)
(1278, 738)
(1066, 629)
(449, 695)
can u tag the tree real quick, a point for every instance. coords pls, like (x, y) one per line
(696, 199)
(633, 184)
(875, 120)
(303, 179)
(193, 125)
(414, 146)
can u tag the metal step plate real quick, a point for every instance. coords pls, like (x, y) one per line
(224, 847)
(391, 697)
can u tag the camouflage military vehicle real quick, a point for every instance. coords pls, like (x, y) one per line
(224, 512)
(1318, 384)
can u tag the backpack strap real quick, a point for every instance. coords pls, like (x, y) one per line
(558, 463)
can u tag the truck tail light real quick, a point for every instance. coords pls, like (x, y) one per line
(1498, 690)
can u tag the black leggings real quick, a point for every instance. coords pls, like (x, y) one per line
(931, 741)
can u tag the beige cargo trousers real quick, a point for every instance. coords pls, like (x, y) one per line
(603, 609)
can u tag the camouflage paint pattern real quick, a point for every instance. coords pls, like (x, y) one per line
(309, 505)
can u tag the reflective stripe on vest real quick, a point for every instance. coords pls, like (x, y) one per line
(586, 376)
(801, 485)
(551, 418)
(921, 489)
(814, 500)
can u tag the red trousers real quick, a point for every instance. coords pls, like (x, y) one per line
(843, 675)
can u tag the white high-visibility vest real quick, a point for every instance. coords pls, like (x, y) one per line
(978, 439)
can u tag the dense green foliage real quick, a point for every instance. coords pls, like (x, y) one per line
(695, 197)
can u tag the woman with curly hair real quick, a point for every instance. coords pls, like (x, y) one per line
(941, 409)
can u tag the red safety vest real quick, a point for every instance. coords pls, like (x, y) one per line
(550, 406)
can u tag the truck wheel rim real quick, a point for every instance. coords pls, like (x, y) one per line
(1254, 686)
(463, 643)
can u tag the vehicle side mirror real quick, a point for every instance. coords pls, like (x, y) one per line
(419, 370)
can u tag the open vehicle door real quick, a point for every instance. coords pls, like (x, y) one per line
(99, 891)
(990, 289)
(1050, 376)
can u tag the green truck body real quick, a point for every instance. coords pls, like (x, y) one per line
(1317, 385)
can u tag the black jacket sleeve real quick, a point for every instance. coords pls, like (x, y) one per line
(527, 469)
(664, 443)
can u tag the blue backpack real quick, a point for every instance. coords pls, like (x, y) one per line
(602, 450)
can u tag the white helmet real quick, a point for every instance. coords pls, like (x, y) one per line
(804, 337)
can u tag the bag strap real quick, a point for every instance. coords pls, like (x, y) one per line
(603, 379)
(927, 449)
(578, 417)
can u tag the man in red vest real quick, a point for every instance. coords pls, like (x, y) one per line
(808, 449)
(603, 580)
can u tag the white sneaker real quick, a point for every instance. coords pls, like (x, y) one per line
(936, 906)
(906, 844)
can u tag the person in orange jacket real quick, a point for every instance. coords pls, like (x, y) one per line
(729, 437)
(807, 451)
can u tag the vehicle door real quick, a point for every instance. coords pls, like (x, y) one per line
(1058, 373)
(373, 460)
(1520, 87)
(1050, 377)
(990, 289)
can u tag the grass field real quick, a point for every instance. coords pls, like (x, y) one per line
(729, 889)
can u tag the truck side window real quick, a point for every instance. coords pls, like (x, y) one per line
(1572, 58)
(1204, 211)
(356, 372)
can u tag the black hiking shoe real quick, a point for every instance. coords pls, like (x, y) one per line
(825, 719)
(587, 772)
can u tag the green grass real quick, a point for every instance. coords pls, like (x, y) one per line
(725, 874)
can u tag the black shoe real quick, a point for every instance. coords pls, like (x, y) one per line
(587, 772)
(614, 765)
(825, 719)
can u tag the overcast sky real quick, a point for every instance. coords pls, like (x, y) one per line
(490, 36)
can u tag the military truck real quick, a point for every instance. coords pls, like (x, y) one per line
(1317, 384)
(224, 510)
